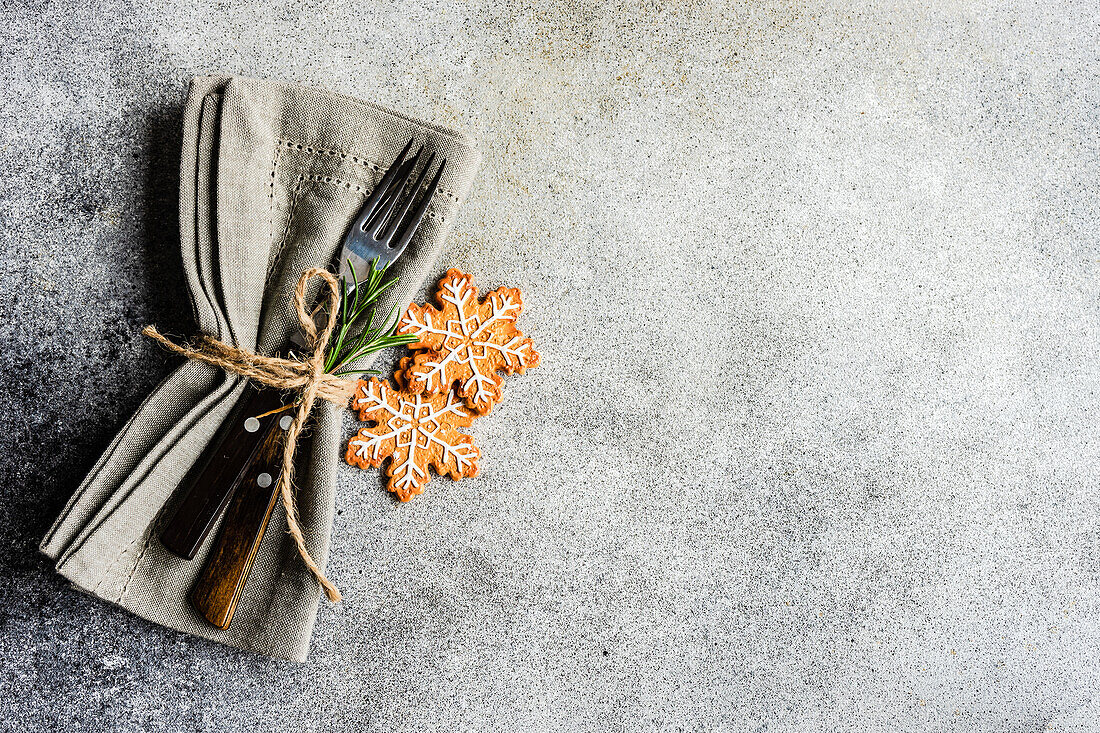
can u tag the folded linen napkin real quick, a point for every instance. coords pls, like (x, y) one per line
(272, 175)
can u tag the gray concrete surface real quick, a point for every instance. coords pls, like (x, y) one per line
(814, 441)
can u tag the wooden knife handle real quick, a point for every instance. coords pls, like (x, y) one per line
(209, 484)
(222, 580)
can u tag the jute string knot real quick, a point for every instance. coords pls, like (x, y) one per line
(307, 376)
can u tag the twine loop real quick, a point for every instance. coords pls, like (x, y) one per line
(307, 376)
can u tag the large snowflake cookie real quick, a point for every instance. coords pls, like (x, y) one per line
(466, 342)
(416, 432)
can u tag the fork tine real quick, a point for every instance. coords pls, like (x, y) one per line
(383, 186)
(389, 198)
(394, 224)
(412, 225)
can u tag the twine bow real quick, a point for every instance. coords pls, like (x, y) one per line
(306, 375)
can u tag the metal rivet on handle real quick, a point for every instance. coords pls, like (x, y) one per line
(285, 422)
(263, 480)
(251, 424)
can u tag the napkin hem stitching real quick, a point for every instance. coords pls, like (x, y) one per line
(137, 563)
(293, 206)
(293, 144)
(271, 206)
(110, 569)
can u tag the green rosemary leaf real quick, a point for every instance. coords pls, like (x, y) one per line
(377, 344)
(342, 372)
(344, 294)
(354, 276)
(355, 307)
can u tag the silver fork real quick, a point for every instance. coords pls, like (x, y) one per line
(379, 235)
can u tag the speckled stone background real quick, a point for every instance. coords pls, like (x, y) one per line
(814, 441)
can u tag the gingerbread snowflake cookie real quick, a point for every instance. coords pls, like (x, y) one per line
(466, 342)
(415, 432)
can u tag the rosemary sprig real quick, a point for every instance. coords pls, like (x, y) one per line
(354, 306)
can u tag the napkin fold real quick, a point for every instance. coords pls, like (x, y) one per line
(272, 174)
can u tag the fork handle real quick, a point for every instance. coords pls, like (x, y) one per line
(206, 490)
(220, 584)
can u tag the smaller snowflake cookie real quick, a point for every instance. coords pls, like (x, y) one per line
(466, 342)
(415, 432)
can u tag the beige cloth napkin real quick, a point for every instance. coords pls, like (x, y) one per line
(272, 175)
